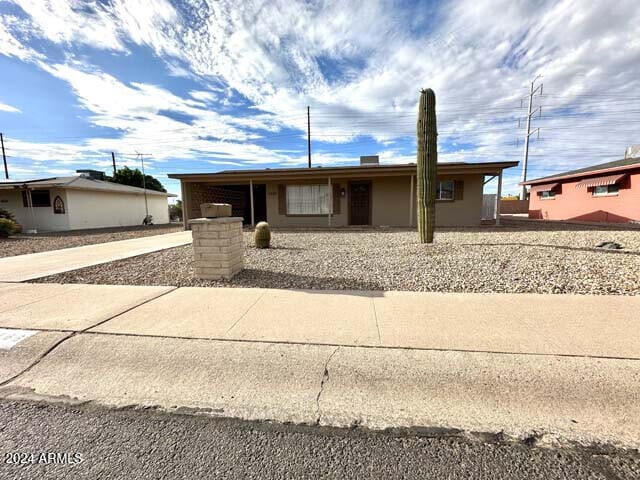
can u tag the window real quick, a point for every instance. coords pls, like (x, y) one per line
(58, 205)
(606, 190)
(307, 199)
(444, 190)
(548, 194)
(39, 198)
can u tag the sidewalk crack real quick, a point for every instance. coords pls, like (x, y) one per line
(375, 316)
(245, 313)
(79, 332)
(325, 379)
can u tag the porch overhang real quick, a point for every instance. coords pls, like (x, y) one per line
(231, 177)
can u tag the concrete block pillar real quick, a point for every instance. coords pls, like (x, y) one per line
(218, 247)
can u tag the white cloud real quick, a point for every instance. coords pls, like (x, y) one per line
(203, 96)
(8, 108)
(10, 45)
(74, 22)
(360, 69)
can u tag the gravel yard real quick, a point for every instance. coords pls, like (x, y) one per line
(488, 259)
(42, 242)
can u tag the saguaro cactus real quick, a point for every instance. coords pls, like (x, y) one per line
(427, 165)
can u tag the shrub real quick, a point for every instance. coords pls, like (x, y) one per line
(7, 214)
(8, 227)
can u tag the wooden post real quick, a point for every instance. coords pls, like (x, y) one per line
(330, 200)
(498, 198)
(253, 218)
(411, 202)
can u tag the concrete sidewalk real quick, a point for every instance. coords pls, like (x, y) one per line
(35, 265)
(581, 325)
(555, 368)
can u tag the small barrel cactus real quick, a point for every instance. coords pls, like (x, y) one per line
(262, 235)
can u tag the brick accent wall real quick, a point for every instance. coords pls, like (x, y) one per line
(200, 193)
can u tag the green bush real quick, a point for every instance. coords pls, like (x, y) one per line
(8, 227)
(7, 214)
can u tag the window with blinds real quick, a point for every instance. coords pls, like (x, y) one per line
(307, 199)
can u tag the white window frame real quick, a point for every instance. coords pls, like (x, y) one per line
(607, 193)
(307, 199)
(551, 195)
(439, 196)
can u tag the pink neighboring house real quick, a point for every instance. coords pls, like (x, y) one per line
(609, 192)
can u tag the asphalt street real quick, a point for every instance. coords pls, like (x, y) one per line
(57, 442)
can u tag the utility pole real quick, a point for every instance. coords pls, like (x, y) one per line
(309, 135)
(4, 158)
(530, 112)
(113, 159)
(144, 185)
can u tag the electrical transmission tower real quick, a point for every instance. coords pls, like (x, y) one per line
(530, 112)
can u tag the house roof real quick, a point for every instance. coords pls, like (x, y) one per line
(487, 168)
(615, 166)
(79, 182)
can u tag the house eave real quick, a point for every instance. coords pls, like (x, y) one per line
(492, 168)
(581, 174)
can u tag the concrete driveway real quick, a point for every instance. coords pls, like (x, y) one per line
(35, 265)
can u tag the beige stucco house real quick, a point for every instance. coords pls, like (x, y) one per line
(79, 202)
(366, 194)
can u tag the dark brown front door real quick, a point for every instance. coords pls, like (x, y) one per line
(360, 203)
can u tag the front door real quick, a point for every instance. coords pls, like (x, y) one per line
(360, 203)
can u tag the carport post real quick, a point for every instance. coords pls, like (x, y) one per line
(411, 204)
(33, 228)
(498, 198)
(185, 205)
(253, 218)
(330, 209)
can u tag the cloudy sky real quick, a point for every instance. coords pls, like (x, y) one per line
(204, 85)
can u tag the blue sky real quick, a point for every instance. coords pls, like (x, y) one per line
(205, 85)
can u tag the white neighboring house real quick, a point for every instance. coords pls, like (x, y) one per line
(80, 201)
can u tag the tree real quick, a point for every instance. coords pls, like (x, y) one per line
(175, 210)
(133, 178)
